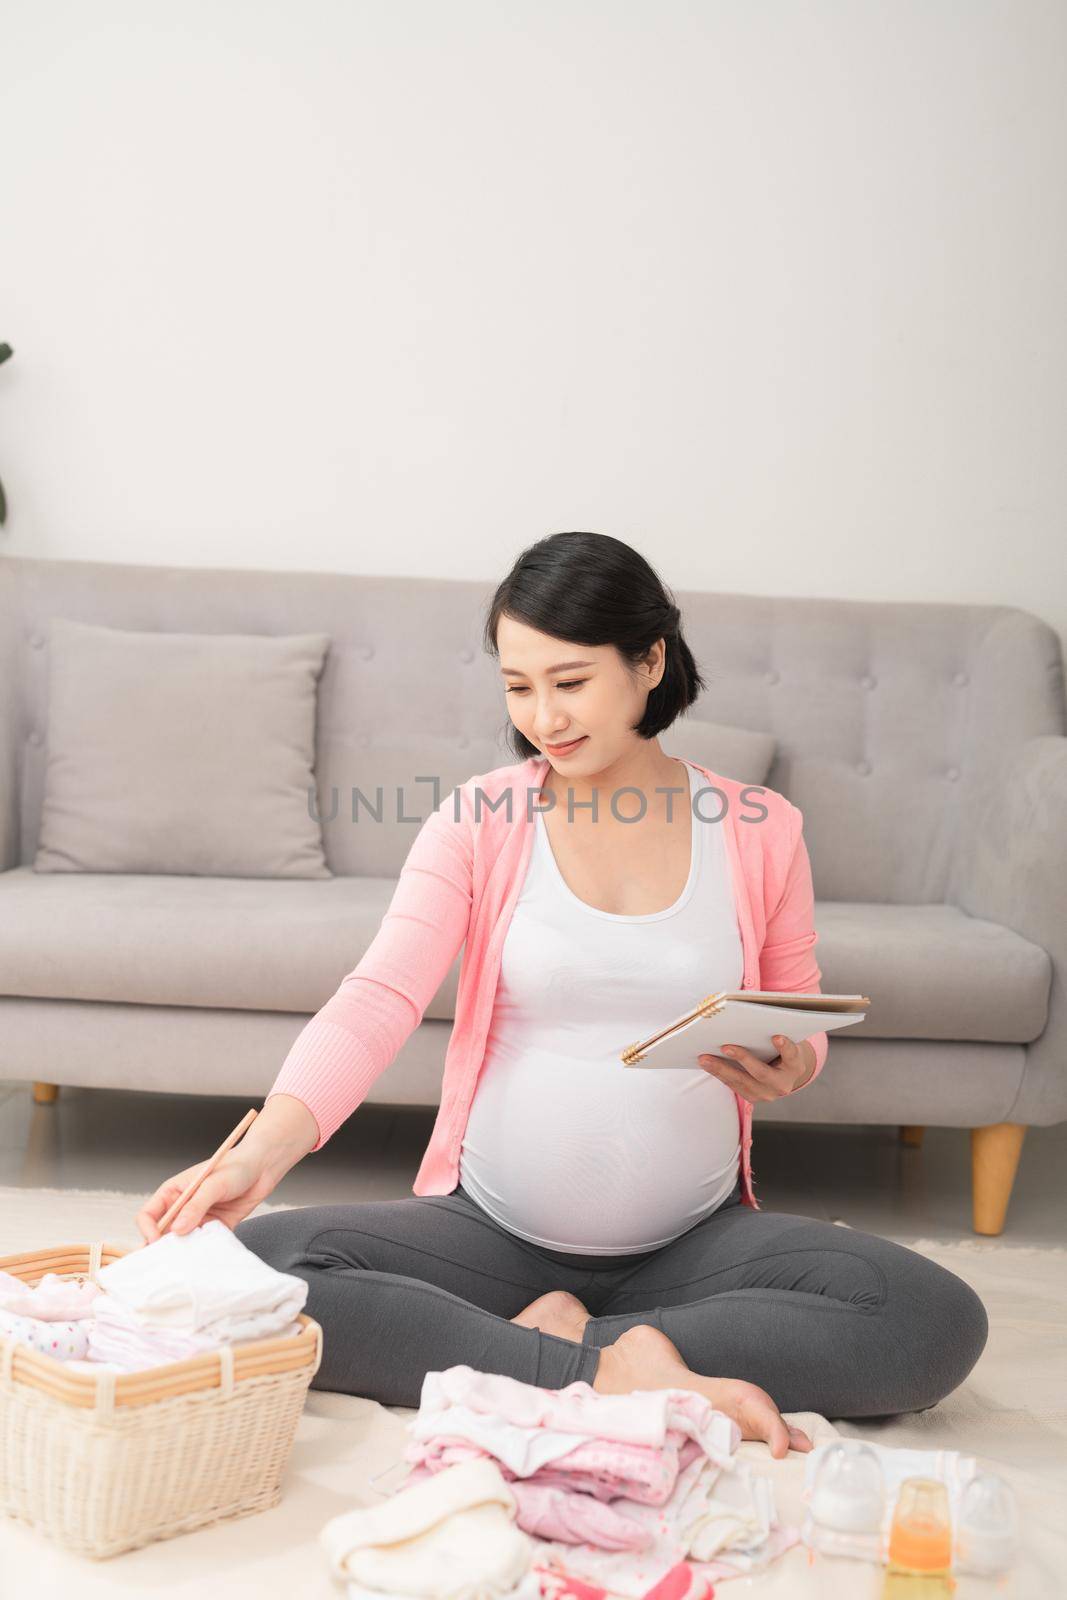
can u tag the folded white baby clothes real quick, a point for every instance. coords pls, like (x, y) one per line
(64, 1341)
(53, 1299)
(450, 1538)
(205, 1281)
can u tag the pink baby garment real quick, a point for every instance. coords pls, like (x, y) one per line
(601, 1467)
(116, 1336)
(546, 1581)
(531, 1426)
(53, 1299)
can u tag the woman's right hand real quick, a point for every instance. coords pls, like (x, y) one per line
(281, 1135)
(240, 1181)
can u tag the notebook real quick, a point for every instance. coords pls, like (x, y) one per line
(749, 1019)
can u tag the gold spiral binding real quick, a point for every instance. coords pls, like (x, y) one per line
(707, 1007)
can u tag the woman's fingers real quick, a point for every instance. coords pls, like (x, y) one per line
(749, 1076)
(196, 1208)
(736, 1078)
(237, 1185)
(150, 1214)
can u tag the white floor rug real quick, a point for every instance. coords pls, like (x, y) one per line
(1012, 1413)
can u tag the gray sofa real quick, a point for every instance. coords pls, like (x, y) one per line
(923, 743)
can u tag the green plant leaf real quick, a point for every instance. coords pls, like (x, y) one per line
(5, 351)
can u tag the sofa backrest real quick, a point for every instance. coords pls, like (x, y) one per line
(885, 714)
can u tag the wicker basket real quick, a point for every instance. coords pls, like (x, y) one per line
(105, 1462)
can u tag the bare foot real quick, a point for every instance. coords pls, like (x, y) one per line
(556, 1312)
(644, 1358)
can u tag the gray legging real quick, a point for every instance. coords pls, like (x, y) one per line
(824, 1318)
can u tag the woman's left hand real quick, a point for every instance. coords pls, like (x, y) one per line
(756, 1080)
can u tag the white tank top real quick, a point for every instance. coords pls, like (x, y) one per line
(564, 1145)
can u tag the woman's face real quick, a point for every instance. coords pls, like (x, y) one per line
(557, 692)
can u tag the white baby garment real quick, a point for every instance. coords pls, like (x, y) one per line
(450, 1538)
(205, 1281)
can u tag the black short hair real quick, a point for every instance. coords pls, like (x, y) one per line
(591, 589)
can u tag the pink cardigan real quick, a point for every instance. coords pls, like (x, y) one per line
(460, 881)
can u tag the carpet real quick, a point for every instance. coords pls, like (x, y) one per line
(1011, 1413)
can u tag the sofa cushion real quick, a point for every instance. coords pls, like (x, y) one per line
(181, 752)
(931, 971)
(246, 943)
(738, 753)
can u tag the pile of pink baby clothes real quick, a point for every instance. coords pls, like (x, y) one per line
(620, 1488)
(51, 1316)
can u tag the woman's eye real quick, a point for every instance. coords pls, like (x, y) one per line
(571, 683)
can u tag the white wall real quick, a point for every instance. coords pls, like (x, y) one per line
(774, 291)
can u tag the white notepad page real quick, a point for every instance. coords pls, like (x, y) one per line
(743, 1022)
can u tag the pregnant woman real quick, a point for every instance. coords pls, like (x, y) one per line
(573, 1218)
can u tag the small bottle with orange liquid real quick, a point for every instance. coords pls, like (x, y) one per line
(920, 1535)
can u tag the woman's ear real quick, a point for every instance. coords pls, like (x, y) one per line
(657, 663)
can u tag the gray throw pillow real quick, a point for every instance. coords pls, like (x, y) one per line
(736, 753)
(183, 753)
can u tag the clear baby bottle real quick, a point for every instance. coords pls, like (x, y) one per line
(848, 1502)
(987, 1529)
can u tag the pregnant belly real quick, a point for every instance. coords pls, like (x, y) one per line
(591, 1157)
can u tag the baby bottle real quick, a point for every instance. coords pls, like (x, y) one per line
(988, 1528)
(848, 1500)
(920, 1535)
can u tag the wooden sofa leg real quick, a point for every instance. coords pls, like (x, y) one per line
(45, 1093)
(995, 1154)
(912, 1136)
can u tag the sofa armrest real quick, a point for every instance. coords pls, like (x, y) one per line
(1011, 867)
